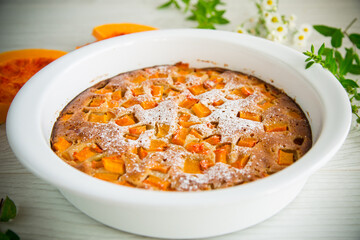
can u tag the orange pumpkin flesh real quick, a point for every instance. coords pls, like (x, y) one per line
(18, 66)
(117, 29)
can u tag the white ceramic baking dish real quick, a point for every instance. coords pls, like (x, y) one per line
(177, 214)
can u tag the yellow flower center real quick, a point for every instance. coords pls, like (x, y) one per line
(301, 37)
(240, 31)
(269, 2)
(306, 29)
(280, 29)
(274, 19)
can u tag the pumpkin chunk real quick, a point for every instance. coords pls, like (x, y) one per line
(241, 161)
(162, 130)
(157, 145)
(195, 133)
(142, 153)
(138, 130)
(205, 164)
(100, 117)
(156, 166)
(117, 95)
(276, 127)
(250, 116)
(96, 102)
(139, 79)
(125, 120)
(116, 29)
(179, 80)
(129, 103)
(246, 91)
(201, 110)
(197, 89)
(213, 140)
(66, 116)
(97, 164)
(103, 91)
(61, 145)
(195, 147)
(138, 91)
(220, 155)
(157, 91)
(247, 142)
(188, 102)
(179, 136)
(114, 164)
(84, 154)
(148, 104)
(128, 136)
(110, 177)
(192, 166)
(265, 104)
(187, 124)
(218, 103)
(157, 182)
(286, 157)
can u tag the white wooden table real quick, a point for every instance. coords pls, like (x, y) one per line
(327, 208)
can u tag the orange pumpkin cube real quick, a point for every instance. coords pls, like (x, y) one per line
(148, 104)
(129, 103)
(246, 91)
(66, 116)
(96, 164)
(218, 103)
(285, 157)
(114, 164)
(128, 136)
(213, 140)
(142, 153)
(157, 91)
(103, 91)
(265, 104)
(156, 166)
(276, 127)
(162, 130)
(250, 116)
(247, 142)
(110, 177)
(139, 79)
(61, 145)
(187, 124)
(220, 85)
(201, 110)
(113, 104)
(195, 147)
(192, 166)
(220, 155)
(84, 154)
(137, 130)
(205, 164)
(197, 89)
(96, 102)
(195, 133)
(188, 102)
(157, 145)
(179, 136)
(171, 92)
(117, 95)
(179, 80)
(184, 117)
(125, 120)
(241, 161)
(138, 91)
(100, 117)
(157, 182)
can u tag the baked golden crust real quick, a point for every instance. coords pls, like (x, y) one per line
(181, 129)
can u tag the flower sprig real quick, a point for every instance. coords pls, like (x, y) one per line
(204, 12)
(7, 213)
(342, 67)
(270, 24)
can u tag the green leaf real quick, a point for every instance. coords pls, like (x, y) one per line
(11, 235)
(346, 63)
(348, 83)
(354, 69)
(312, 49)
(338, 57)
(3, 236)
(321, 49)
(7, 210)
(355, 39)
(357, 59)
(336, 39)
(309, 64)
(357, 96)
(326, 50)
(167, 4)
(325, 30)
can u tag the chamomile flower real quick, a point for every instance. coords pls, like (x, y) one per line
(300, 39)
(272, 20)
(305, 29)
(269, 5)
(291, 21)
(241, 29)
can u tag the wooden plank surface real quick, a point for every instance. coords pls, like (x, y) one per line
(327, 208)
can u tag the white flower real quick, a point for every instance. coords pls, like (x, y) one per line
(299, 39)
(269, 5)
(241, 29)
(306, 29)
(272, 20)
(291, 22)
